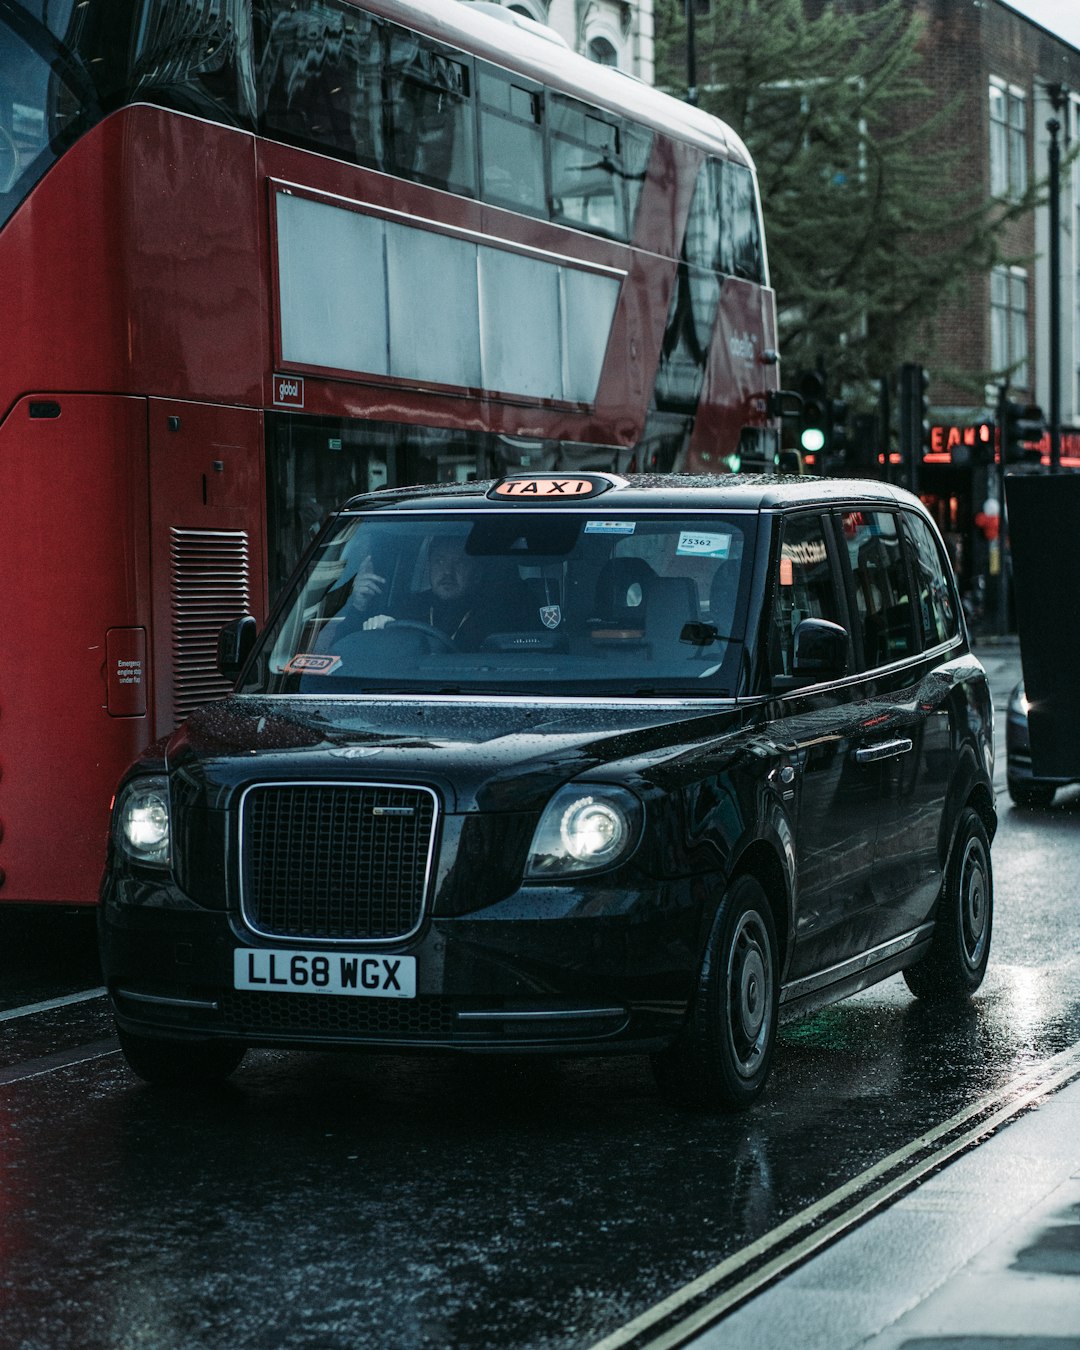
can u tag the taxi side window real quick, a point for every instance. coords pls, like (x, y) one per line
(938, 611)
(805, 588)
(882, 591)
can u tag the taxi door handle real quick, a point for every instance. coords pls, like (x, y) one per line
(870, 754)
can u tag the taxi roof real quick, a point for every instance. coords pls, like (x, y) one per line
(635, 492)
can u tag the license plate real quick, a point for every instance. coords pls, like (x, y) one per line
(359, 974)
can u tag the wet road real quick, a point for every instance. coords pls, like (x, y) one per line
(332, 1202)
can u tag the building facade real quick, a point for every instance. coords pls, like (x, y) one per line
(610, 32)
(1018, 91)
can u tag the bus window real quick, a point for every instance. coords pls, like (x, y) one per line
(637, 146)
(40, 116)
(320, 79)
(586, 173)
(685, 350)
(511, 143)
(199, 64)
(703, 225)
(741, 251)
(432, 136)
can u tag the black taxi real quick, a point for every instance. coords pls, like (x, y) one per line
(572, 764)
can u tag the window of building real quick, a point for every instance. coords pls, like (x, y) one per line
(1009, 323)
(602, 52)
(1008, 140)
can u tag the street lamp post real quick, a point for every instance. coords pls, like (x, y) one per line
(1058, 95)
(691, 54)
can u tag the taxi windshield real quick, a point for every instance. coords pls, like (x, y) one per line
(559, 603)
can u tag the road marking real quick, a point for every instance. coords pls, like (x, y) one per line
(28, 1009)
(35, 1068)
(704, 1301)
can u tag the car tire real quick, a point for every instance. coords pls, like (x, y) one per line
(167, 1062)
(1033, 795)
(723, 1053)
(960, 947)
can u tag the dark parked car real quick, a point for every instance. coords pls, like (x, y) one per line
(571, 764)
(1025, 788)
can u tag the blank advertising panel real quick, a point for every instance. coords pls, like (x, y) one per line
(1044, 524)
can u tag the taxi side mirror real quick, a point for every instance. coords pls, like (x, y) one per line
(821, 648)
(234, 645)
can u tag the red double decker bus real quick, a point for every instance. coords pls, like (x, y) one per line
(261, 255)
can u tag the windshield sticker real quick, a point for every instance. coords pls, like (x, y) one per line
(693, 544)
(551, 615)
(309, 663)
(610, 526)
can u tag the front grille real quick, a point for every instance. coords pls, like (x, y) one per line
(254, 1014)
(338, 861)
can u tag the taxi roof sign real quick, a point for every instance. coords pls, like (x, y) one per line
(552, 487)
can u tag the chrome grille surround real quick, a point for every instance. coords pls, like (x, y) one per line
(336, 862)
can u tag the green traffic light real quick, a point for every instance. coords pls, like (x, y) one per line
(812, 439)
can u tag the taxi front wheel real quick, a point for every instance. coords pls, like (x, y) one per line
(722, 1056)
(179, 1062)
(954, 966)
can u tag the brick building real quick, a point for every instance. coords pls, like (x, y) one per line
(1013, 77)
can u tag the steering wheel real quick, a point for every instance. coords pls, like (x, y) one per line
(426, 630)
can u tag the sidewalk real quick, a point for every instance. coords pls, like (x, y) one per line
(985, 1255)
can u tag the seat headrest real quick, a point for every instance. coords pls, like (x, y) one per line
(622, 586)
(724, 589)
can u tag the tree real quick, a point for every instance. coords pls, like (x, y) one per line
(867, 234)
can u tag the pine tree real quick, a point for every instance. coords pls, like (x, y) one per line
(866, 233)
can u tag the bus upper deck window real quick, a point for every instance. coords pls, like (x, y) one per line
(702, 247)
(432, 128)
(741, 242)
(586, 168)
(511, 143)
(320, 80)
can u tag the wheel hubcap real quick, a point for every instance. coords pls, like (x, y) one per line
(750, 993)
(974, 902)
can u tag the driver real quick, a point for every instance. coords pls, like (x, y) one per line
(457, 602)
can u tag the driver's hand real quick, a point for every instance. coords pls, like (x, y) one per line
(367, 585)
(378, 621)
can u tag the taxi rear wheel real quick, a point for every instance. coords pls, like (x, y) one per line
(179, 1062)
(721, 1058)
(960, 948)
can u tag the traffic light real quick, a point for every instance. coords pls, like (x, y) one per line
(814, 416)
(1023, 427)
(837, 428)
(914, 411)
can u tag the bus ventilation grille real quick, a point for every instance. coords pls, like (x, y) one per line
(209, 587)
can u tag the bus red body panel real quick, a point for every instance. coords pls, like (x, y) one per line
(191, 373)
(74, 556)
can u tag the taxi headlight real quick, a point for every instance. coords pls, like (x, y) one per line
(584, 829)
(141, 820)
